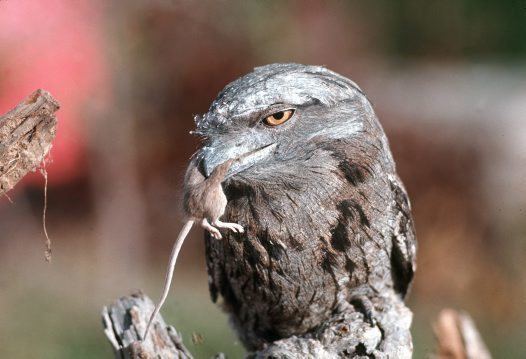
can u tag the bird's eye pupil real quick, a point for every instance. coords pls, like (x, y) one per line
(278, 115)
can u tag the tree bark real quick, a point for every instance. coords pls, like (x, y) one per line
(124, 325)
(347, 335)
(26, 134)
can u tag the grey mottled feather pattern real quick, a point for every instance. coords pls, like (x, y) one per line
(328, 222)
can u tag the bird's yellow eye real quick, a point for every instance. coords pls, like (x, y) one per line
(278, 118)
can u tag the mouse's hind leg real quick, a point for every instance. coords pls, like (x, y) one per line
(232, 226)
(213, 231)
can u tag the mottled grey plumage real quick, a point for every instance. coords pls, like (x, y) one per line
(328, 227)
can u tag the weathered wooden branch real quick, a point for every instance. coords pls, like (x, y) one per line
(458, 337)
(348, 334)
(124, 325)
(26, 134)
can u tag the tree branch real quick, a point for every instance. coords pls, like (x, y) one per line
(124, 325)
(345, 335)
(26, 134)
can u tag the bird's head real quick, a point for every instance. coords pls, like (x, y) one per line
(275, 117)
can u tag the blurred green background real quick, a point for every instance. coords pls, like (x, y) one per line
(447, 79)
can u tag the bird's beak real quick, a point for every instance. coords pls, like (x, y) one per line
(244, 156)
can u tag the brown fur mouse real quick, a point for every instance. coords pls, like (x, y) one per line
(204, 202)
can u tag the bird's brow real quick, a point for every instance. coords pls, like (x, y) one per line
(260, 110)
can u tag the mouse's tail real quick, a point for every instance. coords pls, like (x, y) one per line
(170, 271)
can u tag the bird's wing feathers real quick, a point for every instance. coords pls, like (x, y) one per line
(403, 253)
(371, 181)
